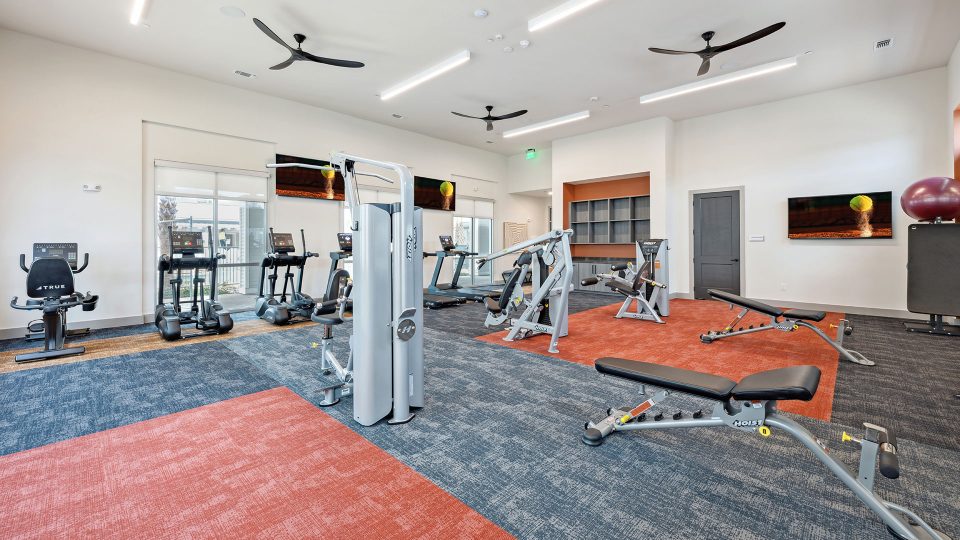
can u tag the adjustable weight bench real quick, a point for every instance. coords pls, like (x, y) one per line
(751, 405)
(785, 320)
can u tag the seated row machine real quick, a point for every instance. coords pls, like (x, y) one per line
(643, 284)
(549, 260)
(50, 289)
(751, 405)
(785, 320)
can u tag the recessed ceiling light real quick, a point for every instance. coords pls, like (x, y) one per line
(480, 13)
(489, 142)
(232, 11)
(137, 12)
(244, 74)
(458, 59)
(524, 43)
(398, 116)
(547, 124)
(558, 13)
(756, 71)
(508, 49)
(594, 99)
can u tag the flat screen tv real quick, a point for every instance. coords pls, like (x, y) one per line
(434, 194)
(309, 183)
(853, 215)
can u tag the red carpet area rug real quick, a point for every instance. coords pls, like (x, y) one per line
(267, 465)
(596, 333)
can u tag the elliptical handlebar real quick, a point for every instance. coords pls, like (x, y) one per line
(23, 264)
(86, 261)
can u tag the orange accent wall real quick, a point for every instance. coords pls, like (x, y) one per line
(624, 187)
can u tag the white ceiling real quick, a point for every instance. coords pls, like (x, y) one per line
(601, 51)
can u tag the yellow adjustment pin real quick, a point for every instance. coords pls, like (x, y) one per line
(314, 345)
(846, 437)
(764, 431)
(624, 419)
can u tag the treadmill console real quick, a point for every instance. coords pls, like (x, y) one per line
(446, 242)
(186, 242)
(346, 242)
(282, 242)
(63, 250)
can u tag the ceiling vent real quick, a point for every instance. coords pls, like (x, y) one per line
(883, 44)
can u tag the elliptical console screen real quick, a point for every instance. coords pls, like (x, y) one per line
(186, 242)
(282, 242)
(64, 250)
(446, 242)
(346, 241)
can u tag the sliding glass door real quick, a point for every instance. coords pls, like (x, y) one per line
(232, 207)
(475, 235)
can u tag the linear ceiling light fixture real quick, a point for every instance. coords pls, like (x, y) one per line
(458, 59)
(547, 124)
(558, 13)
(136, 14)
(749, 73)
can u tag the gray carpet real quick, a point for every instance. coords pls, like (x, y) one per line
(911, 388)
(501, 431)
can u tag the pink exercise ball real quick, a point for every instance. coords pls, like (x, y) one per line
(932, 198)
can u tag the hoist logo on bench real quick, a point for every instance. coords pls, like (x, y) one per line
(747, 423)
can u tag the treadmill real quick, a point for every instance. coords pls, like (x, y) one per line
(449, 249)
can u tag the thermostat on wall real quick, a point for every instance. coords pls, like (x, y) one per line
(92, 187)
(756, 238)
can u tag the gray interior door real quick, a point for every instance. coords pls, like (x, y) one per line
(716, 242)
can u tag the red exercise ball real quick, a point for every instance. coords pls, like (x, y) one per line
(932, 198)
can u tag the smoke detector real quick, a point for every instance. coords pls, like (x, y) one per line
(480, 13)
(883, 44)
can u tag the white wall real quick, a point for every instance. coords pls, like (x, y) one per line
(77, 117)
(877, 136)
(953, 70)
(642, 147)
(530, 174)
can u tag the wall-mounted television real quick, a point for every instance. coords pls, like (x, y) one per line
(853, 215)
(309, 183)
(435, 194)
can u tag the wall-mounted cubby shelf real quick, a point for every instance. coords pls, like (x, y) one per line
(621, 220)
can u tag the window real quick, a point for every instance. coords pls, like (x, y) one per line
(228, 203)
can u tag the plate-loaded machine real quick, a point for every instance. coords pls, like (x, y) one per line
(644, 284)
(751, 406)
(50, 289)
(785, 320)
(449, 249)
(299, 306)
(206, 314)
(386, 378)
(545, 312)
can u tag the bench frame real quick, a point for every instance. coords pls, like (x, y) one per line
(759, 417)
(788, 324)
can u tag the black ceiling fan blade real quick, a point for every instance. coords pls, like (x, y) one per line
(468, 116)
(266, 30)
(704, 67)
(285, 64)
(332, 61)
(669, 51)
(511, 115)
(751, 38)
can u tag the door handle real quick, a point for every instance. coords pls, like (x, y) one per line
(734, 260)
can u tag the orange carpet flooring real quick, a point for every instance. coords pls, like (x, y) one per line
(596, 333)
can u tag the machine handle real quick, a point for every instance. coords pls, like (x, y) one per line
(480, 262)
(13, 304)
(589, 281)
(734, 260)
(618, 267)
(221, 255)
(888, 460)
(23, 263)
(86, 260)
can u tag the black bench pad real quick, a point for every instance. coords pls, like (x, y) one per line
(746, 302)
(797, 382)
(791, 383)
(681, 380)
(621, 286)
(805, 315)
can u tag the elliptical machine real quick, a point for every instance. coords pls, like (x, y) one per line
(206, 314)
(50, 289)
(299, 306)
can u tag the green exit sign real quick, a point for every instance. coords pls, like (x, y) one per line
(531, 153)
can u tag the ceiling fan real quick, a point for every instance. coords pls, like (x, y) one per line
(300, 54)
(490, 118)
(710, 51)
